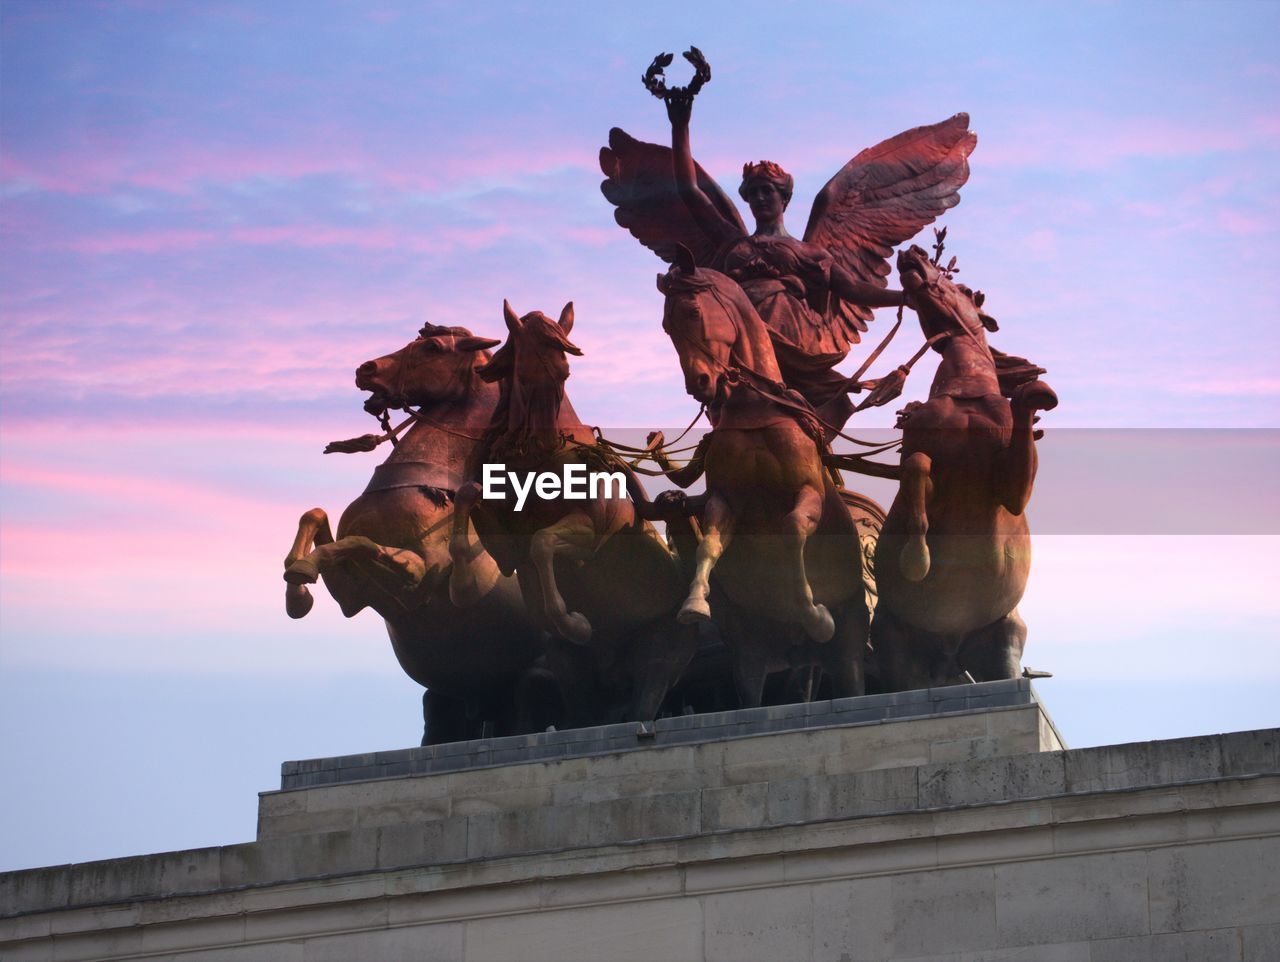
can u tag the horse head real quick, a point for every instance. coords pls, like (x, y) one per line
(440, 365)
(531, 368)
(715, 329)
(942, 305)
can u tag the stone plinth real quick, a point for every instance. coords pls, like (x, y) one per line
(939, 825)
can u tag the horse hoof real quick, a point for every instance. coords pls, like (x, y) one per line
(1037, 396)
(302, 572)
(914, 561)
(297, 601)
(818, 624)
(693, 611)
(576, 629)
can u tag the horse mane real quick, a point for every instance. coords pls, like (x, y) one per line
(705, 282)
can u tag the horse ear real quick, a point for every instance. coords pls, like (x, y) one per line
(684, 260)
(499, 366)
(512, 318)
(475, 343)
(566, 318)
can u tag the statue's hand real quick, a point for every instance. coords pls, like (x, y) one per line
(679, 107)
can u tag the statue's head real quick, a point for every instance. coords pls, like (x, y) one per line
(769, 176)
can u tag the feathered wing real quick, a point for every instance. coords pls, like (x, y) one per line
(883, 197)
(640, 184)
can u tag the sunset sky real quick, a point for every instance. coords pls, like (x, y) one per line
(212, 212)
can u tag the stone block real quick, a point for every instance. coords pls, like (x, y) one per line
(633, 885)
(1094, 834)
(440, 903)
(965, 749)
(1222, 945)
(422, 843)
(775, 923)
(874, 792)
(1061, 952)
(1250, 753)
(1260, 943)
(306, 922)
(859, 858)
(501, 801)
(991, 780)
(197, 933)
(104, 943)
(1004, 845)
(1211, 886)
(734, 807)
(793, 800)
(648, 816)
(40, 888)
(949, 910)
(40, 950)
(298, 856)
(1050, 739)
(852, 919)
(1148, 763)
(1072, 899)
(1019, 720)
(737, 873)
(530, 830)
(635, 932)
(439, 943)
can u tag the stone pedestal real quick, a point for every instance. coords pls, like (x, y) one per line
(949, 824)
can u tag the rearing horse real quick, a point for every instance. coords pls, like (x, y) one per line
(592, 572)
(774, 529)
(391, 549)
(955, 550)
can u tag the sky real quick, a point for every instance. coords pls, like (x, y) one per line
(211, 213)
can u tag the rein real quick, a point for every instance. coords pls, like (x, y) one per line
(756, 382)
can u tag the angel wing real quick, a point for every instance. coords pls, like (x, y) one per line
(883, 197)
(640, 184)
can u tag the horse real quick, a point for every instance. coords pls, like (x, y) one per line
(788, 565)
(593, 572)
(955, 550)
(391, 550)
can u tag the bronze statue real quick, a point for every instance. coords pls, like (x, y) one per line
(593, 572)
(392, 549)
(519, 600)
(814, 294)
(773, 526)
(955, 550)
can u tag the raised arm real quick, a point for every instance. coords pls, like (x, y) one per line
(679, 103)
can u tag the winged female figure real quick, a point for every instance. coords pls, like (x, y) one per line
(815, 294)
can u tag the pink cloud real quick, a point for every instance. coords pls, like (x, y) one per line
(1091, 141)
(110, 162)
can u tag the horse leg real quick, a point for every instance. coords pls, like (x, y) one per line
(995, 652)
(445, 720)
(845, 657)
(464, 587)
(803, 521)
(313, 528)
(717, 532)
(574, 533)
(916, 486)
(1016, 464)
(748, 654)
(407, 568)
(903, 663)
(657, 664)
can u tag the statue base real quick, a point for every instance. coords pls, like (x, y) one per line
(942, 824)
